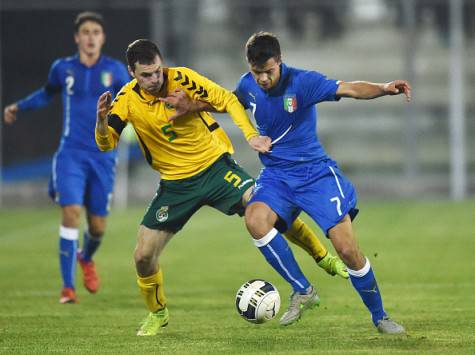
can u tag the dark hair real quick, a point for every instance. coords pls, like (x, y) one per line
(88, 16)
(261, 47)
(143, 51)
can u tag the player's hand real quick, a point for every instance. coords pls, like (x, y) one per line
(262, 144)
(397, 87)
(180, 101)
(103, 105)
(9, 113)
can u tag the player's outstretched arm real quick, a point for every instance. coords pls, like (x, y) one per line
(366, 90)
(10, 113)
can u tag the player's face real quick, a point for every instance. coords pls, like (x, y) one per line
(149, 76)
(90, 38)
(266, 75)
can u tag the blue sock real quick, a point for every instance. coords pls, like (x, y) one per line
(278, 253)
(68, 241)
(365, 283)
(90, 245)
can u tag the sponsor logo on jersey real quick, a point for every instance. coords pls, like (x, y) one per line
(162, 214)
(106, 78)
(290, 103)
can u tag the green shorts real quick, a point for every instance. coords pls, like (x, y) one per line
(221, 186)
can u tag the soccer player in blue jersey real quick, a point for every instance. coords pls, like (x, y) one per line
(298, 175)
(82, 175)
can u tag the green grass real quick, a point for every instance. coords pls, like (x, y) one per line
(422, 254)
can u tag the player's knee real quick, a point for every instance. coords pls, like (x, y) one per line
(144, 260)
(71, 216)
(256, 221)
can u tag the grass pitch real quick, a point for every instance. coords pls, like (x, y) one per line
(422, 254)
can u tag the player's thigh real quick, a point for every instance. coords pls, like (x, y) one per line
(328, 196)
(151, 242)
(272, 191)
(68, 178)
(100, 184)
(173, 205)
(225, 186)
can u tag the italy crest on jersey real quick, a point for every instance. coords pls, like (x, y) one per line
(290, 103)
(106, 78)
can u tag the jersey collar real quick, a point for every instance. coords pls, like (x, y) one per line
(151, 99)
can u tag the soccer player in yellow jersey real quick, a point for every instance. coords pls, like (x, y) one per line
(192, 155)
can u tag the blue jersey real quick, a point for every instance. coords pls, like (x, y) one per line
(287, 113)
(80, 87)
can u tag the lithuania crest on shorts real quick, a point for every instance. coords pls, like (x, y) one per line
(162, 214)
(106, 78)
(290, 103)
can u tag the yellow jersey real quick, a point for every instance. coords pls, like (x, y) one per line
(183, 147)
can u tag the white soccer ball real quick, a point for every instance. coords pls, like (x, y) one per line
(257, 301)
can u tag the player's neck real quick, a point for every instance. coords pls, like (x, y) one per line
(89, 59)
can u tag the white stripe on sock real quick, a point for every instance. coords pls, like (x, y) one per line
(69, 233)
(362, 272)
(283, 267)
(266, 239)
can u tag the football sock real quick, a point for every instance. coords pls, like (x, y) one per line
(278, 253)
(365, 283)
(90, 245)
(68, 241)
(151, 288)
(300, 234)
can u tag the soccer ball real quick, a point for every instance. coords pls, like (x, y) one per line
(257, 301)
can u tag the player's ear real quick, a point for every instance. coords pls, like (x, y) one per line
(131, 72)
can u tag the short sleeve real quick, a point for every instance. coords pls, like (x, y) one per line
(318, 88)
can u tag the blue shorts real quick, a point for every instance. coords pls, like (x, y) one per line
(83, 178)
(317, 188)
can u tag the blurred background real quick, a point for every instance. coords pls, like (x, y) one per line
(388, 148)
